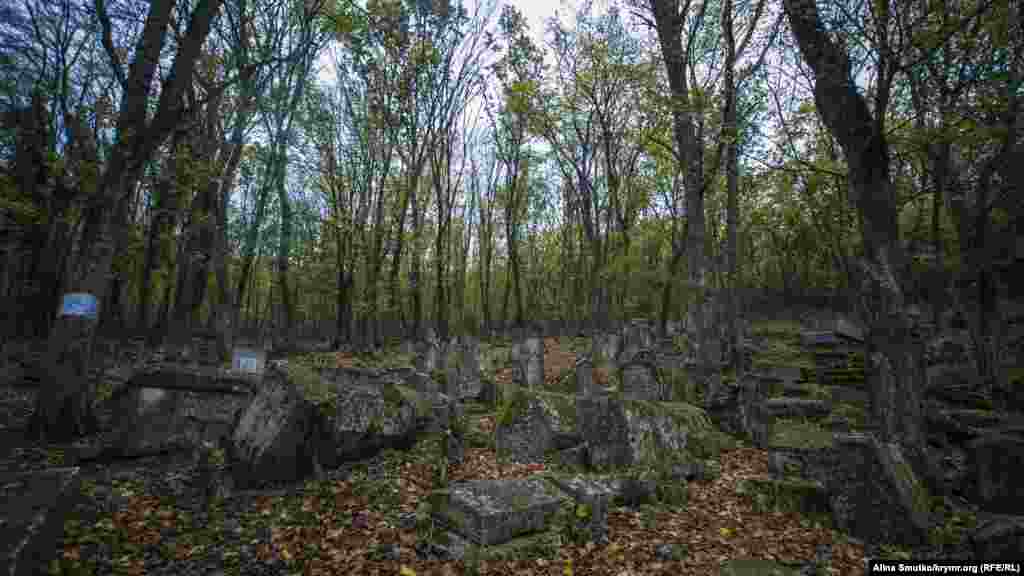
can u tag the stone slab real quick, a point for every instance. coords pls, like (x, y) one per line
(490, 512)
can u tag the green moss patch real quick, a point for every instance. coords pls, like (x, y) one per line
(310, 384)
(799, 434)
(797, 495)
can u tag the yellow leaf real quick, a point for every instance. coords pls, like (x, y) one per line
(406, 571)
(725, 532)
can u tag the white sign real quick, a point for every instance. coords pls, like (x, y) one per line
(78, 304)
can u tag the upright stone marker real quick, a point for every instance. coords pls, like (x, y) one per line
(584, 376)
(533, 362)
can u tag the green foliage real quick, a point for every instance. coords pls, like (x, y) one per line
(513, 404)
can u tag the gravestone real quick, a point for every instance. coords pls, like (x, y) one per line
(606, 347)
(584, 376)
(532, 362)
(635, 337)
(754, 422)
(640, 381)
(428, 357)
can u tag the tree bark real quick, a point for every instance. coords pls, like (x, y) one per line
(894, 353)
(64, 405)
(669, 22)
(729, 128)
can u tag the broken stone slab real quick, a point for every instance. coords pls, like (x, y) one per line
(170, 409)
(594, 495)
(33, 506)
(490, 512)
(360, 421)
(277, 437)
(531, 423)
(620, 432)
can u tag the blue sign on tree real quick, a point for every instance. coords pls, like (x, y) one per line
(79, 304)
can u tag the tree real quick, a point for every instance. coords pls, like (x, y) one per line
(893, 355)
(518, 71)
(64, 405)
(670, 21)
(730, 129)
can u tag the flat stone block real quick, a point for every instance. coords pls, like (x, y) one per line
(495, 511)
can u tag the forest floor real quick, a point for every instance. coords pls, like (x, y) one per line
(145, 518)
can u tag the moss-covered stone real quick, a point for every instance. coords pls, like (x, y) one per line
(789, 494)
(797, 434)
(541, 545)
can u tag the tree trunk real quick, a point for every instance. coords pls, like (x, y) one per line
(729, 129)
(894, 353)
(64, 404)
